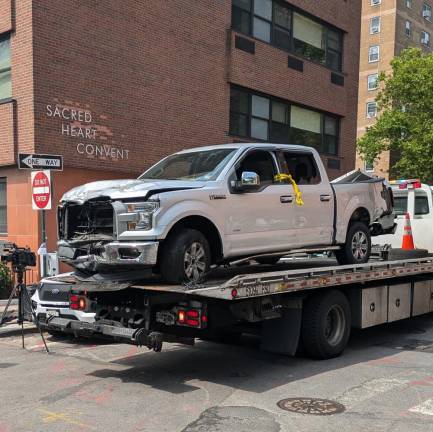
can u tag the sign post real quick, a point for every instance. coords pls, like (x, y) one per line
(41, 201)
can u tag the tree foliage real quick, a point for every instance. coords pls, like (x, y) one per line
(405, 121)
(5, 280)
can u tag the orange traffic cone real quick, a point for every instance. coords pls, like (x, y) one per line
(407, 243)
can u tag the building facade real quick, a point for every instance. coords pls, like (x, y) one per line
(387, 28)
(114, 86)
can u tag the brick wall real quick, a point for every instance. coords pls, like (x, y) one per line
(7, 153)
(152, 77)
(5, 15)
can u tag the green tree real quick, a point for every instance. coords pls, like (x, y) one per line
(405, 121)
(5, 281)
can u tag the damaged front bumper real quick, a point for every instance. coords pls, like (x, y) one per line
(134, 254)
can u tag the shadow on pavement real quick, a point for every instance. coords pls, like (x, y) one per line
(245, 367)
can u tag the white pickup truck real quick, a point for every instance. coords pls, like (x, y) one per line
(213, 205)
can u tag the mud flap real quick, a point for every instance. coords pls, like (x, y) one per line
(281, 335)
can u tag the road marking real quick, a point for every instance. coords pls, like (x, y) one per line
(369, 390)
(425, 408)
(62, 417)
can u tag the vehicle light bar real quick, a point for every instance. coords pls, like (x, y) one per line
(407, 183)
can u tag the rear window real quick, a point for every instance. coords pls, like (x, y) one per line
(421, 205)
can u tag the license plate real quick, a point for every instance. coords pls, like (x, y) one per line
(52, 313)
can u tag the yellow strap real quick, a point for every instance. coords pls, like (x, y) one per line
(298, 193)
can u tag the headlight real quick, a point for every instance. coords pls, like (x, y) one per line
(144, 213)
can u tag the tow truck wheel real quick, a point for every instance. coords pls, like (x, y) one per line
(326, 322)
(185, 257)
(357, 248)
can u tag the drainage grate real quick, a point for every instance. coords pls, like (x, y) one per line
(311, 406)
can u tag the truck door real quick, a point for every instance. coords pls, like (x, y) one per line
(257, 221)
(313, 222)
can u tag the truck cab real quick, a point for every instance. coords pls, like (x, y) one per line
(413, 197)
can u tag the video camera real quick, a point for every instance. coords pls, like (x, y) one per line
(18, 257)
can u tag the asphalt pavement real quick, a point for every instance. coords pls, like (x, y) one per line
(383, 382)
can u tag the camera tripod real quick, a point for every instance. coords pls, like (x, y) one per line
(23, 299)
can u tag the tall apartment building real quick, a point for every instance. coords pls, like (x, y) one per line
(387, 27)
(114, 86)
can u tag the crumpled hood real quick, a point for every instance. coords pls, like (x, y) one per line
(121, 189)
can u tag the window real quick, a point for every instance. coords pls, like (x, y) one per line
(373, 53)
(5, 68)
(275, 23)
(268, 119)
(421, 205)
(408, 29)
(371, 109)
(241, 15)
(375, 25)
(409, 4)
(425, 38)
(426, 11)
(375, 2)
(369, 166)
(3, 207)
(373, 82)
(302, 167)
(262, 163)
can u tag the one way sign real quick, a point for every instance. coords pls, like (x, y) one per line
(40, 162)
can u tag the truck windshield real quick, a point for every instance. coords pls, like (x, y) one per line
(198, 165)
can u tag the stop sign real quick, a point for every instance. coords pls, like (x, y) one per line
(41, 190)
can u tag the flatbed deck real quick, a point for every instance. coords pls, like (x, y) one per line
(241, 283)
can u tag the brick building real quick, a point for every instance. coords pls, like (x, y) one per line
(114, 86)
(387, 27)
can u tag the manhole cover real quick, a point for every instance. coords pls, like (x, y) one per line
(312, 406)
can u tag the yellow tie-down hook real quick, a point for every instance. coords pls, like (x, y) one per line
(298, 193)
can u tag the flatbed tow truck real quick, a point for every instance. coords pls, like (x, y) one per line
(310, 304)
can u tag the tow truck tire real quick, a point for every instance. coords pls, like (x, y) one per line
(185, 257)
(326, 323)
(357, 249)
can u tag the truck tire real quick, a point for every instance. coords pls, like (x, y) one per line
(185, 257)
(326, 323)
(357, 249)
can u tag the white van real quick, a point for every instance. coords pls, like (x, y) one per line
(415, 198)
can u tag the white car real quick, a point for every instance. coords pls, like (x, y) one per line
(415, 198)
(52, 298)
(213, 205)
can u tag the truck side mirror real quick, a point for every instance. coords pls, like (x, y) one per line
(249, 181)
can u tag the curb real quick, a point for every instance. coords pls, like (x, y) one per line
(5, 302)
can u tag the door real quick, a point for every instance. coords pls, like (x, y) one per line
(312, 222)
(258, 221)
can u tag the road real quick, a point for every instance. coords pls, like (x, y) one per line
(384, 382)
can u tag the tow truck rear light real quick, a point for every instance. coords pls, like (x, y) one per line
(77, 302)
(181, 316)
(191, 318)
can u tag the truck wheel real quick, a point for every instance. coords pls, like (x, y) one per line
(185, 257)
(357, 248)
(326, 322)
